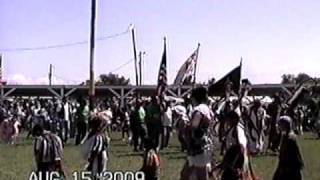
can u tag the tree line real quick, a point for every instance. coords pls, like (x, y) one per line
(297, 79)
(119, 80)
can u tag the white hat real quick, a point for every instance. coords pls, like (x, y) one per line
(179, 109)
(285, 119)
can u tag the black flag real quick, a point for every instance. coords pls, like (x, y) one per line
(233, 77)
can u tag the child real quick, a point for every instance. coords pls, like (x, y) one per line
(151, 161)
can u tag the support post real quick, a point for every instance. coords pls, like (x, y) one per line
(9, 92)
(70, 92)
(54, 92)
(122, 98)
(62, 92)
(2, 93)
(179, 91)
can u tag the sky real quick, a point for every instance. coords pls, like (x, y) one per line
(273, 37)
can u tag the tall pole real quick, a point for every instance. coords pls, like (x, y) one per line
(195, 66)
(140, 68)
(1, 82)
(92, 37)
(135, 55)
(50, 75)
(1, 70)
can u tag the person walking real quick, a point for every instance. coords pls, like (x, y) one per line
(290, 160)
(82, 116)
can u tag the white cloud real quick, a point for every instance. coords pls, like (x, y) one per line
(22, 79)
(19, 79)
(45, 80)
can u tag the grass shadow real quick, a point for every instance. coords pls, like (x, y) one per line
(267, 154)
(311, 138)
(130, 155)
(170, 153)
(175, 147)
(176, 157)
(22, 144)
(119, 145)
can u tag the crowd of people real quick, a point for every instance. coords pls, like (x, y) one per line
(240, 128)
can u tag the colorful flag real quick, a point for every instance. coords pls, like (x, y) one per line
(298, 94)
(162, 76)
(187, 71)
(233, 77)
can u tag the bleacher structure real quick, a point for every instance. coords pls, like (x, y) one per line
(121, 92)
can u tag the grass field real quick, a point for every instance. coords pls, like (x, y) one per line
(16, 161)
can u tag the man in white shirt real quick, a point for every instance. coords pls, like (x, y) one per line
(66, 119)
(166, 126)
(181, 121)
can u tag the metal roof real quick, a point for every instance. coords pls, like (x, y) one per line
(145, 90)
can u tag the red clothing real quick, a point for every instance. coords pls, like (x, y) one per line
(151, 165)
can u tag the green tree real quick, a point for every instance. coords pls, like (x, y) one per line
(288, 79)
(301, 77)
(111, 80)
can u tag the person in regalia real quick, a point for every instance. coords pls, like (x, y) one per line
(151, 161)
(48, 152)
(96, 145)
(290, 160)
(199, 147)
(236, 163)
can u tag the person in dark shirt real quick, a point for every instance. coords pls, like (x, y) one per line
(153, 120)
(137, 126)
(82, 115)
(290, 160)
(274, 110)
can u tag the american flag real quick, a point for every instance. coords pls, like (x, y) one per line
(162, 76)
(187, 70)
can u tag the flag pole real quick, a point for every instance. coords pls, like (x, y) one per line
(92, 43)
(50, 75)
(135, 54)
(240, 74)
(142, 66)
(1, 70)
(195, 66)
(165, 49)
(1, 82)
(245, 90)
(140, 70)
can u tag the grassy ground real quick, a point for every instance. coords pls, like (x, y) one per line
(16, 161)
